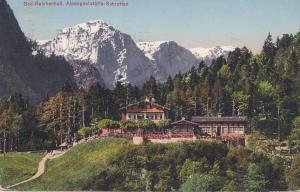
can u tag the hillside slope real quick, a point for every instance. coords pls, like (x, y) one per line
(116, 164)
(34, 76)
(16, 166)
(78, 167)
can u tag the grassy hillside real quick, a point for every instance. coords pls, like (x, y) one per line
(117, 164)
(78, 166)
(15, 167)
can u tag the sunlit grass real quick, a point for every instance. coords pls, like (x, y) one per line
(77, 167)
(18, 166)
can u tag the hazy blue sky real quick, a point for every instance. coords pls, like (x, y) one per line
(191, 23)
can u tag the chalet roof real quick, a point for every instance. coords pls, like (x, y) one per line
(141, 102)
(199, 119)
(184, 122)
(151, 110)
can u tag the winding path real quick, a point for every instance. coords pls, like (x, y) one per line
(41, 168)
(42, 165)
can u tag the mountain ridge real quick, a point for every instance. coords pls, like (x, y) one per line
(115, 56)
(113, 53)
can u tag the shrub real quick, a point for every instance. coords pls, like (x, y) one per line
(108, 123)
(254, 180)
(164, 124)
(128, 125)
(146, 124)
(294, 138)
(94, 125)
(85, 131)
(200, 182)
(191, 167)
(293, 174)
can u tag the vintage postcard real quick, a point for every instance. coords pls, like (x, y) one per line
(149, 95)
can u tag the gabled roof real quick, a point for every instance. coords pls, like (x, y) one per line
(201, 119)
(184, 122)
(141, 102)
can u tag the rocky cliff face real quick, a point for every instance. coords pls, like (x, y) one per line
(113, 54)
(21, 72)
(100, 53)
(169, 57)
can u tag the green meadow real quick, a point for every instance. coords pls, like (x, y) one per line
(77, 167)
(18, 166)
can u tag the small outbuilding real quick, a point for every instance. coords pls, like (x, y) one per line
(221, 126)
(183, 126)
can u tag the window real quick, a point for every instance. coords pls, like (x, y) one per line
(149, 116)
(140, 116)
(157, 116)
(225, 130)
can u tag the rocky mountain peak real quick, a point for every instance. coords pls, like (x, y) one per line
(114, 56)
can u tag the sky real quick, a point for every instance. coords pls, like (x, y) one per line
(192, 23)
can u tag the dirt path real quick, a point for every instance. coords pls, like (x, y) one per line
(2, 189)
(41, 168)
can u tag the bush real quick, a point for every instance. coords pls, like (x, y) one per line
(254, 180)
(294, 138)
(201, 182)
(85, 131)
(146, 124)
(293, 174)
(128, 125)
(94, 125)
(164, 124)
(109, 124)
(191, 167)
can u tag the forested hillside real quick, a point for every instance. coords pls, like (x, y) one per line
(264, 87)
(23, 71)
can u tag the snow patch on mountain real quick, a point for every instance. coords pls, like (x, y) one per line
(208, 54)
(99, 53)
(79, 42)
(113, 53)
(169, 57)
(150, 47)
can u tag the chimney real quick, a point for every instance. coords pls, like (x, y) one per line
(219, 115)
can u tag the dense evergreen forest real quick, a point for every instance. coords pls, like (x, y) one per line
(264, 87)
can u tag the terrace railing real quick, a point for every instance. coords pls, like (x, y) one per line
(168, 135)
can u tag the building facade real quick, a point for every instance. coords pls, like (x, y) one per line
(183, 126)
(144, 110)
(221, 126)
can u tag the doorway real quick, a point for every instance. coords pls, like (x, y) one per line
(218, 131)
